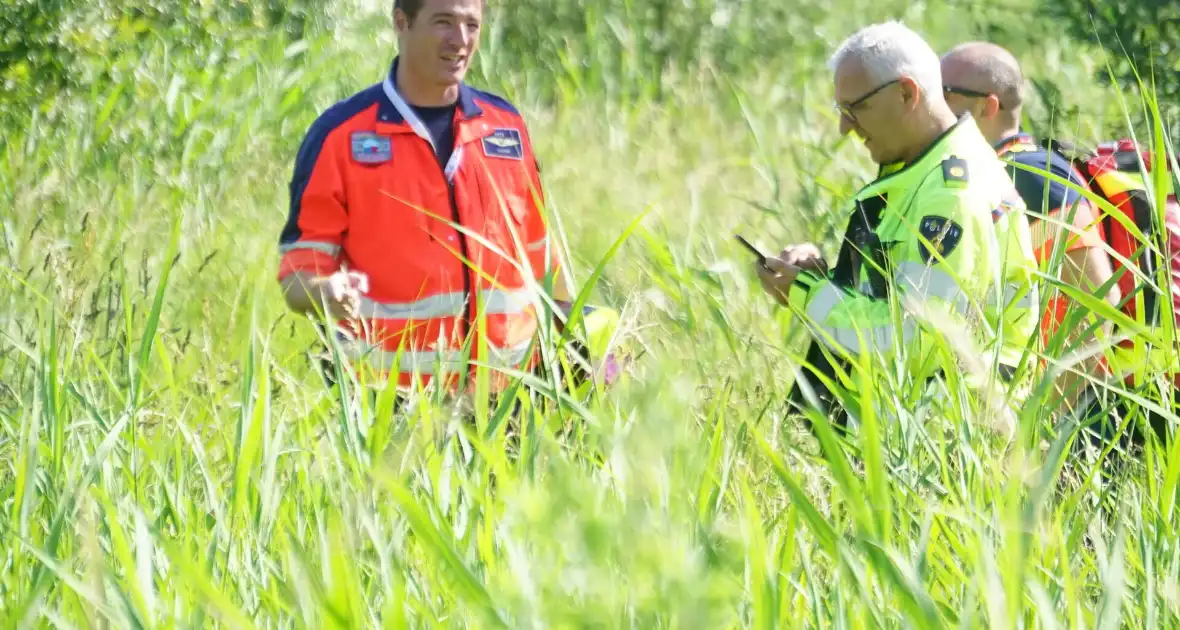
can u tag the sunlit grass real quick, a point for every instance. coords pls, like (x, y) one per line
(173, 458)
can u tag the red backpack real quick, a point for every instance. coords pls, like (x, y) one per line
(1113, 172)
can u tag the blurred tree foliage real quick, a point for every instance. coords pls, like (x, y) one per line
(1058, 43)
(46, 45)
(30, 43)
(1141, 36)
(626, 48)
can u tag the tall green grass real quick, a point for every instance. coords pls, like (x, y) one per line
(174, 460)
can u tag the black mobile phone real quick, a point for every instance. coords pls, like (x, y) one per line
(753, 250)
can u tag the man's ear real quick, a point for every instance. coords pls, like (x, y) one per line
(991, 106)
(401, 21)
(911, 94)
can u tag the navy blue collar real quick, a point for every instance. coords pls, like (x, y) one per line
(388, 113)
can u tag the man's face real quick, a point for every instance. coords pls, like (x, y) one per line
(875, 111)
(441, 40)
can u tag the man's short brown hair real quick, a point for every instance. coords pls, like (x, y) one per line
(412, 7)
(409, 7)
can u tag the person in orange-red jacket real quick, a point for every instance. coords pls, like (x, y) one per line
(416, 214)
(985, 80)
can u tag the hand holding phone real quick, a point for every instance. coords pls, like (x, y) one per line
(775, 283)
(805, 256)
(759, 256)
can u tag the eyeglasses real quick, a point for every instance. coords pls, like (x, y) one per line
(950, 89)
(846, 109)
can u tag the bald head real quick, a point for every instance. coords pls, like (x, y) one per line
(986, 68)
(985, 81)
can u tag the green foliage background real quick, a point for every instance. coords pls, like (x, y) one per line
(624, 49)
(1143, 34)
(50, 45)
(171, 459)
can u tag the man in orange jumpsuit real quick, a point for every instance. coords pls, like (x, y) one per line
(416, 214)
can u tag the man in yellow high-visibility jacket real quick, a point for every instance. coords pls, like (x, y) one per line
(942, 226)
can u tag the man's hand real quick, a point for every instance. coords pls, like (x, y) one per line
(340, 292)
(343, 292)
(779, 273)
(777, 276)
(806, 257)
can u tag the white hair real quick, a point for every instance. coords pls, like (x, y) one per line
(890, 51)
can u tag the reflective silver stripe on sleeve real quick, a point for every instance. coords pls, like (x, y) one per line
(916, 280)
(826, 300)
(1028, 300)
(509, 357)
(430, 361)
(406, 361)
(442, 305)
(498, 302)
(327, 248)
(492, 302)
(924, 282)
